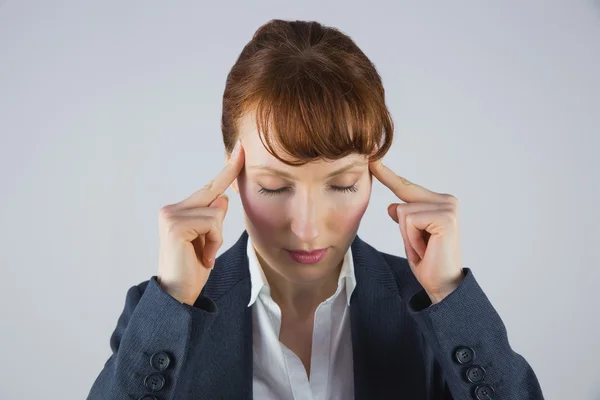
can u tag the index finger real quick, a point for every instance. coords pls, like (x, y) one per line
(401, 187)
(205, 196)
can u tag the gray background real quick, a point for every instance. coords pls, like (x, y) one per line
(110, 110)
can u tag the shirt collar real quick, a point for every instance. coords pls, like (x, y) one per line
(259, 282)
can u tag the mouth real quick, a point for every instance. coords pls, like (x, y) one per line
(307, 257)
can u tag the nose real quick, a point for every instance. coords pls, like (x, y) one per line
(306, 220)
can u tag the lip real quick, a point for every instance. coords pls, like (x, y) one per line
(307, 257)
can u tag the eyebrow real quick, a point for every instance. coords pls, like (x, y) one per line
(284, 174)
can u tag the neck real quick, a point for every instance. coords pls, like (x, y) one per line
(300, 300)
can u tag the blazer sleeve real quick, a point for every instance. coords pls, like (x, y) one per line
(471, 344)
(150, 344)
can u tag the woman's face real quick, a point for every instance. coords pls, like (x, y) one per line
(305, 210)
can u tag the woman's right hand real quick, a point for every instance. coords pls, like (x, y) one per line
(190, 234)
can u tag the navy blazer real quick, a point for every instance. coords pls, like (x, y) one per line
(404, 347)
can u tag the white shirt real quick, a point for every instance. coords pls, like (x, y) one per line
(278, 373)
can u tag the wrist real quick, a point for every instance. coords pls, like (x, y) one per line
(440, 295)
(176, 293)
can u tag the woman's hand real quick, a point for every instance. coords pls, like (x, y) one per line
(191, 233)
(429, 227)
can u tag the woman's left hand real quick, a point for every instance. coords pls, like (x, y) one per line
(429, 227)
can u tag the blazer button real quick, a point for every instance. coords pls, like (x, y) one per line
(154, 382)
(484, 392)
(475, 374)
(464, 355)
(160, 361)
(147, 397)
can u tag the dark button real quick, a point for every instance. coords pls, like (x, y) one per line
(464, 355)
(475, 374)
(160, 361)
(484, 392)
(147, 397)
(154, 382)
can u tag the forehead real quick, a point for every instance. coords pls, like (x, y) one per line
(256, 154)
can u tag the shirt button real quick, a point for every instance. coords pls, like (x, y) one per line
(475, 374)
(147, 397)
(160, 361)
(154, 382)
(464, 355)
(484, 392)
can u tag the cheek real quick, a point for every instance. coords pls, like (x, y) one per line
(349, 214)
(264, 215)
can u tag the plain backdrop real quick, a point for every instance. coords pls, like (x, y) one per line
(111, 109)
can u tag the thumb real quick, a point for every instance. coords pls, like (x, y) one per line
(391, 210)
(211, 247)
(221, 202)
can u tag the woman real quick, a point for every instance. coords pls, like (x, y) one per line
(300, 307)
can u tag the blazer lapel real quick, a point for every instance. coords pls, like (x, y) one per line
(385, 345)
(227, 352)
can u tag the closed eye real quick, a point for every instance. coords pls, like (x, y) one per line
(343, 189)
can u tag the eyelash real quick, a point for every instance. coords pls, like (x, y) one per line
(343, 189)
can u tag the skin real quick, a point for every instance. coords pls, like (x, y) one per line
(310, 214)
(428, 223)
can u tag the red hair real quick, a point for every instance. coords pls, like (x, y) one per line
(313, 92)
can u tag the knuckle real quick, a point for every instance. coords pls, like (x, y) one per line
(166, 211)
(449, 216)
(396, 186)
(172, 228)
(209, 185)
(450, 199)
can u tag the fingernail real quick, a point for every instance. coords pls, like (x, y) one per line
(223, 195)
